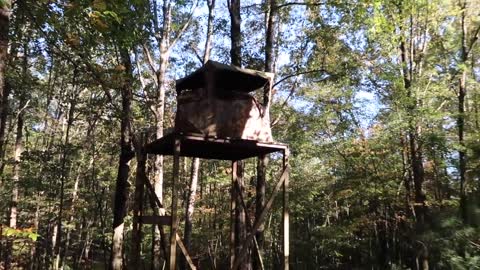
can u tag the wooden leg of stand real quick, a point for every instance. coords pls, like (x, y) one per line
(173, 232)
(259, 220)
(286, 230)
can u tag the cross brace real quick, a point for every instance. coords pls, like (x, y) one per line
(259, 220)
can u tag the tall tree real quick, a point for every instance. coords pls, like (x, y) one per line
(166, 38)
(467, 43)
(5, 13)
(236, 59)
(126, 154)
(235, 32)
(270, 18)
(18, 148)
(192, 192)
(195, 167)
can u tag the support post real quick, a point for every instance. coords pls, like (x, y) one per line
(232, 214)
(249, 225)
(286, 218)
(260, 218)
(174, 225)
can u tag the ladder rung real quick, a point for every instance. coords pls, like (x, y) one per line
(161, 220)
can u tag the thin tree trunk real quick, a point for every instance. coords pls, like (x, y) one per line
(16, 177)
(164, 44)
(72, 209)
(416, 161)
(462, 92)
(190, 205)
(126, 154)
(140, 179)
(59, 251)
(18, 146)
(208, 41)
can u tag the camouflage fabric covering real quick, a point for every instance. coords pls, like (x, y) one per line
(209, 106)
(237, 115)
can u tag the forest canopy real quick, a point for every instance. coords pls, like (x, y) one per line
(378, 101)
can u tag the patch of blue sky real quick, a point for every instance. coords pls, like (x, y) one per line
(332, 15)
(368, 104)
(356, 40)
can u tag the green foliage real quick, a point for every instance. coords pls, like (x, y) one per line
(19, 233)
(348, 106)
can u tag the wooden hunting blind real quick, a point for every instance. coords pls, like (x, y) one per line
(217, 118)
(214, 101)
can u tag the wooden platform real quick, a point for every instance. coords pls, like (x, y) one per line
(212, 148)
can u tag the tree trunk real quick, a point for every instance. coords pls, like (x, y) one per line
(59, 251)
(416, 157)
(140, 178)
(22, 92)
(462, 92)
(72, 208)
(241, 220)
(270, 36)
(126, 154)
(19, 141)
(208, 41)
(16, 176)
(190, 205)
(164, 46)
(235, 32)
(4, 29)
(263, 160)
(410, 61)
(236, 59)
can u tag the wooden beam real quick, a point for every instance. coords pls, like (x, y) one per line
(151, 191)
(174, 224)
(259, 221)
(249, 223)
(158, 220)
(185, 253)
(286, 217)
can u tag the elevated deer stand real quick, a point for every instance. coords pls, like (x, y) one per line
(217, 119)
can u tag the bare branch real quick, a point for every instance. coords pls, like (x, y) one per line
(23, 108)
(150, 63)
(473, 40)
(300, 4)
(199, 58)
(185, 26)
(298, 74)
(292, 90)
(137, 62)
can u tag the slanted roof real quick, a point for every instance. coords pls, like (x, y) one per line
(226, 78)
